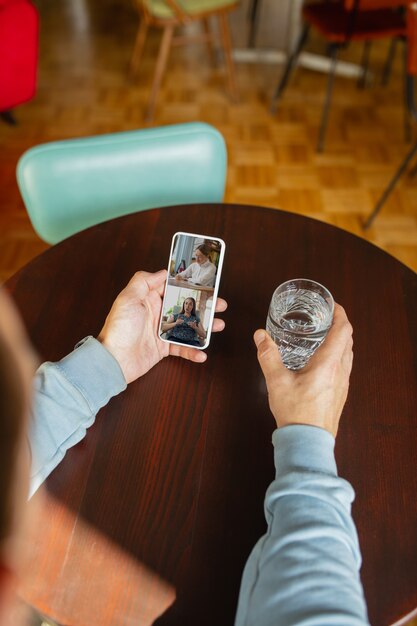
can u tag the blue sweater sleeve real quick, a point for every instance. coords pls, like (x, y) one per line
(305, 570)
(67, 396)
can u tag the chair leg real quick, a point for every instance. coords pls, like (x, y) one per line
(210, 48)
(289, 67)
(253, 18)
(227, 47)
(363, 79)
(8, 117)
(386, 73)
(138, 47)
(333, 51)
(407, 121)
(159, 70)
(390, 187)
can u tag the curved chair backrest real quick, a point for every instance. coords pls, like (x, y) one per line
(73, 184)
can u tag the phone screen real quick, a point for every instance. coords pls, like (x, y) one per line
(194, 268)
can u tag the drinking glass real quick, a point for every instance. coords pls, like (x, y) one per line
(299, 318)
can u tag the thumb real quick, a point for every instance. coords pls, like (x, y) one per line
(143, 283)
(269, 356)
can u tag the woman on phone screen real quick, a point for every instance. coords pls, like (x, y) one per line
(185, 327)
(203, 271)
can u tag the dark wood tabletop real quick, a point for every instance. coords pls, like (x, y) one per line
(151, 517)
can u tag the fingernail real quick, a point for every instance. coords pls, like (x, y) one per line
(202, 357)
(259, 337)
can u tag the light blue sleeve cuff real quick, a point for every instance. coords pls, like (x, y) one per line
(305, 569)
(67, 396)
(95, 372)
(299, 447)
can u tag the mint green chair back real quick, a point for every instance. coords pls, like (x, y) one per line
(70, 185)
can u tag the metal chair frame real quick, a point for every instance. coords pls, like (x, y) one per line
(332, 52)
(410, 91)
(411, 50)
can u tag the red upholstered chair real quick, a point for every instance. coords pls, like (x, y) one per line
(411, 104)
(341, 22)
(19, 25)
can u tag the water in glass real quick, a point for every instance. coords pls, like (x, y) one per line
(298, 321)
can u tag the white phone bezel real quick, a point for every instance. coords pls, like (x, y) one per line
(216, 289)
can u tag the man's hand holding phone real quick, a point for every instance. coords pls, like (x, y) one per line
(130, 332)
(204, 255)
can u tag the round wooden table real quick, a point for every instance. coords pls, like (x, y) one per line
(151, 517)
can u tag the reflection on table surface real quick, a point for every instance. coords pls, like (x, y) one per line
(95, 557)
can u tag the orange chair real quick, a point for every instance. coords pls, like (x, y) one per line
(411, 105)
(168, 15)
(340, 23)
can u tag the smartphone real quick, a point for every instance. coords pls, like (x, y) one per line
(194, 268)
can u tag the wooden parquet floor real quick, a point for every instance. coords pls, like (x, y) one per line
(84, 89)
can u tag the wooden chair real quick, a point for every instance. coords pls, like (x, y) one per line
(169, 15)
(340, 23)
(411, 105)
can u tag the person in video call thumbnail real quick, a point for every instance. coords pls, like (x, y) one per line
(185, 327)
(203, 271)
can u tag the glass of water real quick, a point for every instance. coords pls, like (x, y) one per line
(299, 318)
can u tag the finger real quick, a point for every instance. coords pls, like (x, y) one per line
(338, 336)
(191, 354)
(347, 358)
(221, 305)
(269, 356)
(218, 325)
(144, 282)
(156, 281)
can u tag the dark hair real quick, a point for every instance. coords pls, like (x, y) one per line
(11, 426)
(204, 249)
(193, 312)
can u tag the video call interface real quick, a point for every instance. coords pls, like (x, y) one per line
(188, 302)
